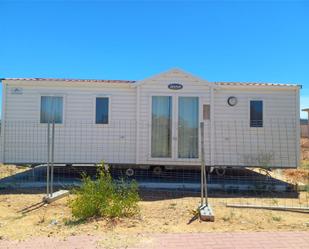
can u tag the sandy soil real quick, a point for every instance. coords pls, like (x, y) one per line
(23, 216)
(171, 215)
(8, 170)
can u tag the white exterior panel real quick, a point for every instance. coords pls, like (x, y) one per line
(78, 139)
(228, 138)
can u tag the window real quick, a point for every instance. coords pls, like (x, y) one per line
(51, 109)
(256, 113)
(101, 113)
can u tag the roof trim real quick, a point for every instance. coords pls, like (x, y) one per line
(255, 84)
(136, 83)
(71, 80)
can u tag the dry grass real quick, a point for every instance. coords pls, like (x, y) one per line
(304, 143)
(162, 216)
(300, 175)
(8, 170)
(297, 175)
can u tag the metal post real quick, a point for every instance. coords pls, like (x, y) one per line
(205, 184)
(308, 124)
(205, 211)
(204, 194)
(202, 162)
(52, 159)
(48, 160)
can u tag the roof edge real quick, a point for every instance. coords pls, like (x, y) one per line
(222, 83)
(70, 80)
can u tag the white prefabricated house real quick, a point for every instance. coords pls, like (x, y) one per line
(155, 121)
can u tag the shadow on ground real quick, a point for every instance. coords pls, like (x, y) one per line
(170, 184)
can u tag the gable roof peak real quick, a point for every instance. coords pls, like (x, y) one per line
(173, 73)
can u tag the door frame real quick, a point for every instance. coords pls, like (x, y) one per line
(174, 135)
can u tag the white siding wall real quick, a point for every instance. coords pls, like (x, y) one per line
(236, 143)
(78, 139)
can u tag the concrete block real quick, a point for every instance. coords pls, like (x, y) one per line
(56, 196)
(206, 213)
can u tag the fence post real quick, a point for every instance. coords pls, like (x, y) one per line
(48, 160)
(204, 194)
(52, 159)
(202, 162)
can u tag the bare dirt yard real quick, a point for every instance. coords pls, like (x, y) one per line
(163, 216)
(8, 170)
(24, 216)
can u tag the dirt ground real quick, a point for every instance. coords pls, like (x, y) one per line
(8, 170)
(23, 216)
(164, 216)
(304, 143)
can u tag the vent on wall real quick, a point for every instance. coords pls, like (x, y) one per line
(206, 112)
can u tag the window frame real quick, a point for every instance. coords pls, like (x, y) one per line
(109, 116)
(263, 111)
(63, 107)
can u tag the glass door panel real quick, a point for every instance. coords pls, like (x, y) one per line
(188, 127)
(161, 126)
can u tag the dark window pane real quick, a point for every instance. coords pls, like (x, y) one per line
(256, 113)
(101, 116)
(51, 109)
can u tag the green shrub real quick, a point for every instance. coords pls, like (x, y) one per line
(104, 197)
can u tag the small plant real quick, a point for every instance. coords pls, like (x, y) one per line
(276, 218)
(304, 164)
(229, 217)
(172, 206)
(104, 197)
(274, 202)
(42, 218)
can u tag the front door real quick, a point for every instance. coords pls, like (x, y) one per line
(175, 127)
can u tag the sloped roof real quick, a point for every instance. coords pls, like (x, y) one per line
(254, 84)
(219, 83)
(71, 80)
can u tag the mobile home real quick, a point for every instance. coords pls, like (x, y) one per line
(154, 121)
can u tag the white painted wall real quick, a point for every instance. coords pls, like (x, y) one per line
(275, 144)
(78, 139)
(127, 138)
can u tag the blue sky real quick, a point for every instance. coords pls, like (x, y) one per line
(258, 41)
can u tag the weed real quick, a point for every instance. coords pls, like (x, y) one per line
(304, 164)
(104, 197)
(229, 217)
(172, 206)
(274, 202)
(276, 218)
(41, 218)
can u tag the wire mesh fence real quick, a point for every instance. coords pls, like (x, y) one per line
(240, 157)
